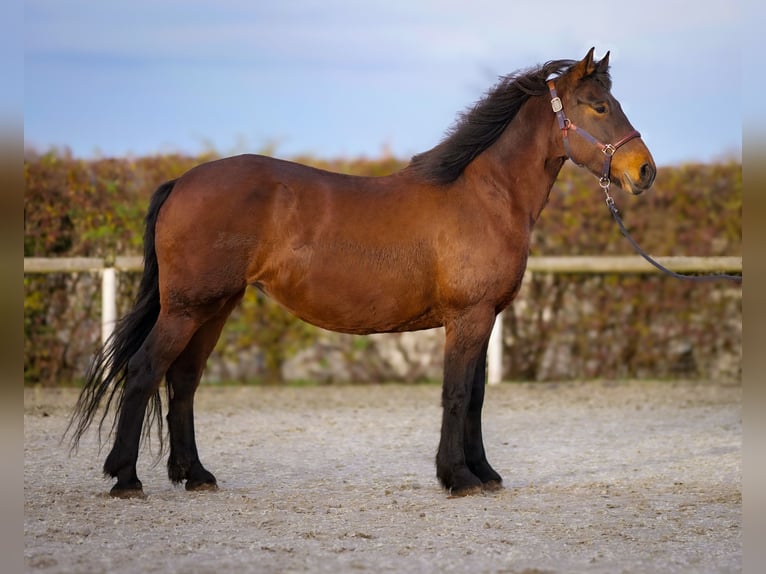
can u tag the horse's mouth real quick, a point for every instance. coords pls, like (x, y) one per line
(634, 188)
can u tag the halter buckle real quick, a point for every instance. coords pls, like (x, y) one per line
(556, 104)
(609, 150)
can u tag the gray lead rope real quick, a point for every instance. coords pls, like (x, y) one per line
(642, 253)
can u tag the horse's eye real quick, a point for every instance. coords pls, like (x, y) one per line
(600, 108)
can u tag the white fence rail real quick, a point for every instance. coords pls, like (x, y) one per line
(606, 264)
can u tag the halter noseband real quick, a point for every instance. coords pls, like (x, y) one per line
(608, 149)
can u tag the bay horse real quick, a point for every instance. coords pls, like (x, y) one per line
(441, 243)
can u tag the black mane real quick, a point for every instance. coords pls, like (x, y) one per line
(479, 127)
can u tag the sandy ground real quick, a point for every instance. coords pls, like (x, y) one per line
(600, 477)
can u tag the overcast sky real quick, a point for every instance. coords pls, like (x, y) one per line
(351, 78)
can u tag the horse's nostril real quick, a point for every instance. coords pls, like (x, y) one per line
(647, 174)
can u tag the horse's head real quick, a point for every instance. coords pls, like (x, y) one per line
(594, 131)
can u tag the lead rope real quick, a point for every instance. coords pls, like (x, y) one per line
(654, 262)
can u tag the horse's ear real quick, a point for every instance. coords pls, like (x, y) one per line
(584, 67)
(603, 66)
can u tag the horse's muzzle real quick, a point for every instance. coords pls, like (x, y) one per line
(646, 175)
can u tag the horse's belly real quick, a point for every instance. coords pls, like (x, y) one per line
(356, 308)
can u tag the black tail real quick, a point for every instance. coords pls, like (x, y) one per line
(106, 376)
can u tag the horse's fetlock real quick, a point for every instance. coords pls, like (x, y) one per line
(114, 464)
(177, 472)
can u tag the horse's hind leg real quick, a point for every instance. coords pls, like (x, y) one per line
(183, 379)
(475, 457)
(145, 372)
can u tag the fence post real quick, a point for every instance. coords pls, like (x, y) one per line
(495, 352)
(108, 299)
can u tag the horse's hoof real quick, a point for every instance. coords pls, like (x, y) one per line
(201, 486)
(493, 485)
(127, 492)
(466, 491)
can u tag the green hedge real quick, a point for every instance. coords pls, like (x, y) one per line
(561, 326)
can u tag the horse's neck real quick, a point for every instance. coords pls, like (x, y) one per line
(524, 162)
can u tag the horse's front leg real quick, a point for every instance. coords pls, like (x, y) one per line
(475, 456)
(465, 349)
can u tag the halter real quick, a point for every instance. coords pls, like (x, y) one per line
(608, 150)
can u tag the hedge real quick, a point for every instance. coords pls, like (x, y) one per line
(560, 327)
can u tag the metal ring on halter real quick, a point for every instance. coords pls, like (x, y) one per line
(609, 150)
(604, 182)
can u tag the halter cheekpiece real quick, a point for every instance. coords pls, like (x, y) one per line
(565, 124)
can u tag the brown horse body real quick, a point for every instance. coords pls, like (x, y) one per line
(411, 246)
(443, 242)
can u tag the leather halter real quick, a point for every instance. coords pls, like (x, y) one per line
(565, 125)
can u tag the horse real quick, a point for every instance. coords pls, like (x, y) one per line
(441, 243)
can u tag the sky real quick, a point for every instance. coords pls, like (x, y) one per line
(359, 78)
